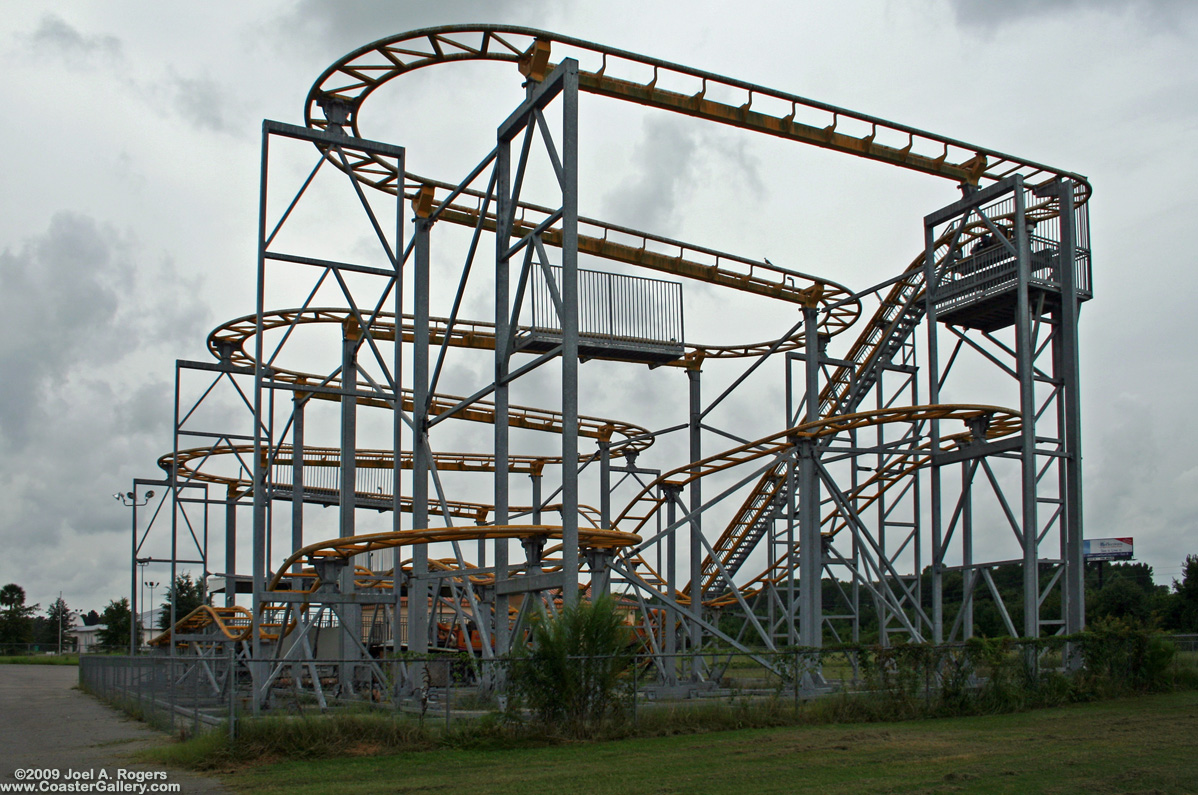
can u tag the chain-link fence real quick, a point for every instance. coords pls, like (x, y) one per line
(184, 694)
(197, 693)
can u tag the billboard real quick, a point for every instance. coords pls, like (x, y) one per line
(1107, 549)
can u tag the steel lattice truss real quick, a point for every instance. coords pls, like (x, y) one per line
(855, 485)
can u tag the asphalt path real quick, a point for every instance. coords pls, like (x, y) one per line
(46, 724)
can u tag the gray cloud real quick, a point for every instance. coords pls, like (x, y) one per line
(673, 158)
(661, 163)
(73, 302)
(88, 329)
(1158, 15)
(202, 102)
(54, 34)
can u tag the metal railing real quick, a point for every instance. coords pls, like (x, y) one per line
(612, 306)
(992, 270)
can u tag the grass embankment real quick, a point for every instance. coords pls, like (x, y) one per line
(1141, 744)
(40, 659)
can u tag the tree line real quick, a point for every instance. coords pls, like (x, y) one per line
(23, 626)
(1116, 591)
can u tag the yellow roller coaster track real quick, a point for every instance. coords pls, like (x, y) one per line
(337, 97)
(197, 464)
(1001, 422)
(335, 102)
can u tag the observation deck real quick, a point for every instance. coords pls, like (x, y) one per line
(979, 290)
(628, 318)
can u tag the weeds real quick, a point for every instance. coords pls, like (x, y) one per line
(981, 677)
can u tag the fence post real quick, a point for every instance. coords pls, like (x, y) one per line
(795, 681)
(635, 687)
(231, 686)
(195, 700)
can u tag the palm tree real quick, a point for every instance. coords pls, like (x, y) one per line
(16, 626)
(12, 595)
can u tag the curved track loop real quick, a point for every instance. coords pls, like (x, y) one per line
(633, 247)
(197, 464)
(234, 336)
(336, 100)
(231, 622)
(346, 548)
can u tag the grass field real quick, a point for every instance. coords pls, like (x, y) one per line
(1145, 744)
(40, 659)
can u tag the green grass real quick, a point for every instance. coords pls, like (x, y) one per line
(40, 659)
(1141, 744)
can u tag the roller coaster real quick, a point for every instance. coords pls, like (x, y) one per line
(854, 489)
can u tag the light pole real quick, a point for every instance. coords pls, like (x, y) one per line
(141, 567)
(152, 585)
(129, 500)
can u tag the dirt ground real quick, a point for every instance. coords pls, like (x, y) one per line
(46, 724)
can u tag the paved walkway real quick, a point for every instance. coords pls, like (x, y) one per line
(44, 723)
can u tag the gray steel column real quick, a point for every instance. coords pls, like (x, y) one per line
(504, 205)
(1024, 358)
(693, 375)
(230, 544)
(299, 403)
(351, 614)
(536, 494)
(133, 644)
(257, 669)
(605, 483)
(967, 572)
(349, 427)
(934, 435)
(569, 158)
(670, 621)
(398, 583)
(418, 588)
(793, 554)
(810, 544)
(1069, 372)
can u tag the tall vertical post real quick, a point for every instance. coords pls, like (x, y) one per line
(258, 573)
(299, 402)
(231, 546)
(967, 572)
(693, 375)
(504, 207)
(1069, 373)
(351, 614)
(569, 291)
(418, 588)
(811, 551)
(1024, 359)
(670, 621)
(133, 644)
(398, 583)
(935, 518)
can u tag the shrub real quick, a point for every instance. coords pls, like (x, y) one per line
(570, 675)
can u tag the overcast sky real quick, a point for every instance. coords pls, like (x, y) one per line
(130, 182)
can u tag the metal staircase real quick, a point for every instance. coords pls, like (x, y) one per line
(883, 338)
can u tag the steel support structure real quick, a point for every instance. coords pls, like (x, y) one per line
(1008, 268)
(371, 292)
